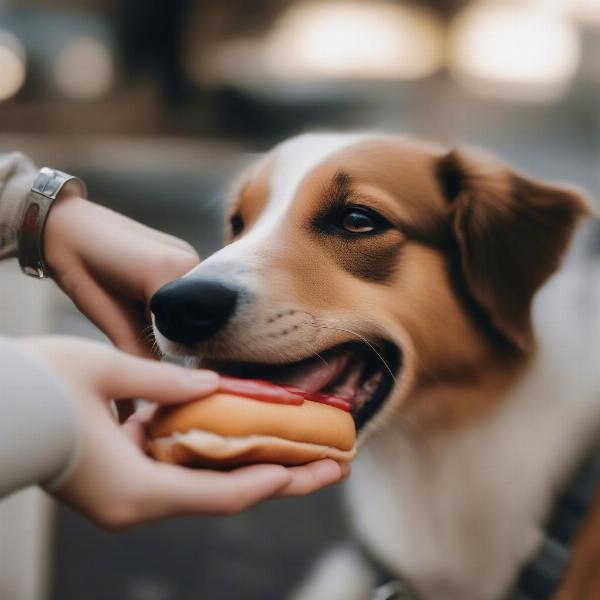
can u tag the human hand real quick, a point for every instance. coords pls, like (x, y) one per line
(110, 266)
(114, 482)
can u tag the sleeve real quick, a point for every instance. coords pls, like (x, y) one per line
(17, 174)
(39, 425)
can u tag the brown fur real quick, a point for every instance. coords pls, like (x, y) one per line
(512, 232)
(250, 194)
(470, 243)
(452, 280)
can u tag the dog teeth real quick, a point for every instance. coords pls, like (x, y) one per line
(367, 390)
(370, 386)
(360, 399)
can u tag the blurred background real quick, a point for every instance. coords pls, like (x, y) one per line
(156, 103)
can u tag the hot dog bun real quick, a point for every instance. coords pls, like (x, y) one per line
(224, 430)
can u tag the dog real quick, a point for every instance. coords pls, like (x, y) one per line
(457, 302)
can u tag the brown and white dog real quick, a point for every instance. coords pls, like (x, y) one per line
(456, 301)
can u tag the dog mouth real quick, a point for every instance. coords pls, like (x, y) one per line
(363, 374)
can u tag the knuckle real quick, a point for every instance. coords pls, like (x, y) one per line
(305, 486)
(117, 517)
(178, 262)
(163, 375)
(190, 251)
(306, 490)
(188, 262)
(233, 505)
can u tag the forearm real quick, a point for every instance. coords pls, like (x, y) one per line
(38, 422)
(17, 174)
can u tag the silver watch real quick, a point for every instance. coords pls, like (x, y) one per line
(30, 237)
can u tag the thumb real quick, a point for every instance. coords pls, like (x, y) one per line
(133, 377)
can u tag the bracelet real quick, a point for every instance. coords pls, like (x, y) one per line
(46, 187)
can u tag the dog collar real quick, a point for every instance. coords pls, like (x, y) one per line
(540, 577)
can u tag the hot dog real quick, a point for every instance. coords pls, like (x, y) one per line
(248, 422)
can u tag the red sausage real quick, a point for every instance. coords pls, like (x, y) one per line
(280, 394)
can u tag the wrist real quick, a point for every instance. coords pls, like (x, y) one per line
(59, 227)
(47, 186)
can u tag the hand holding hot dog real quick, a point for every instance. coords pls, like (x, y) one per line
(113, 481)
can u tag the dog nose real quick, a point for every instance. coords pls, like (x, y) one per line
(191, 310)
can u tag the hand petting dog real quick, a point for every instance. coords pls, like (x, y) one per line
(110, 265)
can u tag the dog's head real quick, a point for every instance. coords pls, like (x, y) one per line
(372, 266)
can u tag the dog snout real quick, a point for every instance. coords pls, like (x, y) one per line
(189, 310)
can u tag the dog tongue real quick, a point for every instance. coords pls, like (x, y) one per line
(318, 373)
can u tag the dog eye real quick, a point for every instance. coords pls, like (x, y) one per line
(237, 224)
(358, 220)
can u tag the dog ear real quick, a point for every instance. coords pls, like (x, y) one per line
(510, 232)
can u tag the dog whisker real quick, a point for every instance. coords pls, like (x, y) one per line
(321, 357)
(147, 337)
(364, 340)
(413, 355)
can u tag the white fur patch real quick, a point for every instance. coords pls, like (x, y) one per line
(236, 263)
(294, 159)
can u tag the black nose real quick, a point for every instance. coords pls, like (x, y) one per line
(191, 310)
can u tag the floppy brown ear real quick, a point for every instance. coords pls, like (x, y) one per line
(511, 233)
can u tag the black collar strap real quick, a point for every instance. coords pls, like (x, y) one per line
(539, 579)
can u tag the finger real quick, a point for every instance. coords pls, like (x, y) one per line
(119, 320)
(126, 376)
(131, 259)
(135, 425)
(144, 413)
(312, 477)
(178, 490)
(346, 470)
(119, 220)
(170, 240)
(136, 432)
(148, 267)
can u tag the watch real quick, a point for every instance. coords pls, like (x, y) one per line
(30, 236)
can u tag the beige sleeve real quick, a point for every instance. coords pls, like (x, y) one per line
(39, 426)
(17, 174)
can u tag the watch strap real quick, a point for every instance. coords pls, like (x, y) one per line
(46, 187)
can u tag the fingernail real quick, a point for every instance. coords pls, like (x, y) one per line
(345, 469)
(204, 377)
